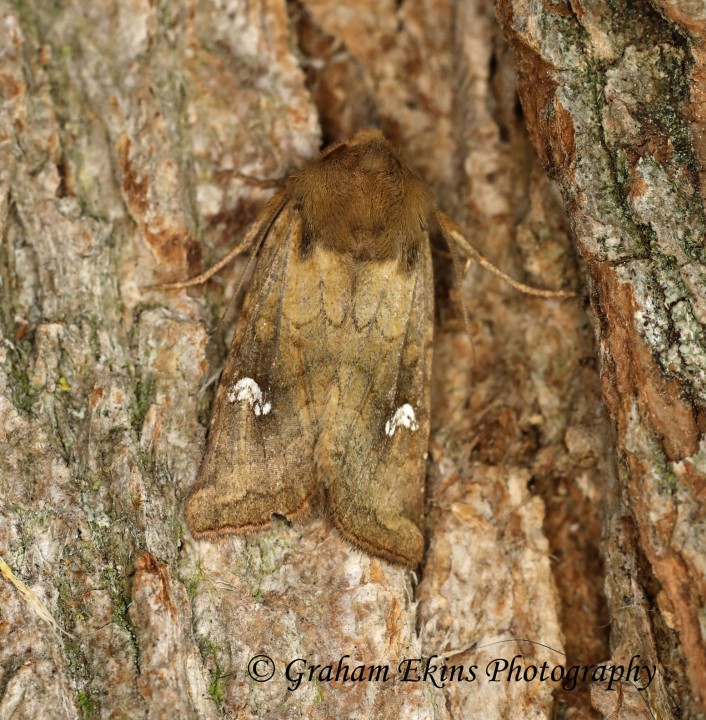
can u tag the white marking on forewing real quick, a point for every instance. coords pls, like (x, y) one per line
(404, 417)
(247, 390)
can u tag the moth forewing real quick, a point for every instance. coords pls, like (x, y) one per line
(259, 456)
(372, 449)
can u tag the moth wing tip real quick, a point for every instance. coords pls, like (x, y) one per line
(206, 524)
(406, 554)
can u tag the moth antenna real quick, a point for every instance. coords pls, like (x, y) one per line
(257, 232)
(243, 275)
(454, 236)
(458, 276)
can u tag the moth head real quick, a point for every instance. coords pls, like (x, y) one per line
(361, 198)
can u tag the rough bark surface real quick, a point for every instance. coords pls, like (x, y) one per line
(613, 98)
(125, 128)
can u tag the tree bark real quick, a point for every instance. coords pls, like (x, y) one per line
(613, 104)
(125, 130)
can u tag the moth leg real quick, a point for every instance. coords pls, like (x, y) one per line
(455, 239)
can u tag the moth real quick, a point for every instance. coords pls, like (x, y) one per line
(325, 391)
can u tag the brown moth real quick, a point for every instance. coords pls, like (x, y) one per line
(326, 386)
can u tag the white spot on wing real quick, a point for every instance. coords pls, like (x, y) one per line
(247, 390)
(404, 417)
